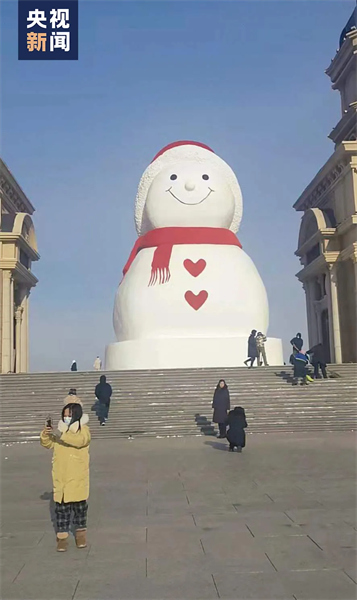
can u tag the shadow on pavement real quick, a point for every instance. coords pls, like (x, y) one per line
(218, 446)
(51, 507)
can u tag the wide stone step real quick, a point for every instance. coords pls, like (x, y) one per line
(189, 385)
(197, 371)
(289, 391)
(270, 385)
(149, 415)
(137, 412)
(15, 380)
(252, 428)
(104, 433)
(273, 403)
(178, 402)
(180, 405)
(251, 408)
(283, 392)
(192, 425)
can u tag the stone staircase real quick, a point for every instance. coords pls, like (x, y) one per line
(178, 402)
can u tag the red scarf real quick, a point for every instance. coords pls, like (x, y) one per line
(167, 237)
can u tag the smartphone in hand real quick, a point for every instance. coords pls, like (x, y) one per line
(49, 422)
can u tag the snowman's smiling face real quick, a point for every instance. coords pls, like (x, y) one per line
(190, 185)
(191, 195)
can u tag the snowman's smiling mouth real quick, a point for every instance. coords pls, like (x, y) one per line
(191, 203)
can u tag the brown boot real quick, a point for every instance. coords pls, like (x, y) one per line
(81, 538)
(62, 542)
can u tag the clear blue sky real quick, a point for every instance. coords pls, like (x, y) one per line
(246, 78)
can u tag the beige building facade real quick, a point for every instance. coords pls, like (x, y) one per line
(18, 250)
(327, 245)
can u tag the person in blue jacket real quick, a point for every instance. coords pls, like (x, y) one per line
(300, 362)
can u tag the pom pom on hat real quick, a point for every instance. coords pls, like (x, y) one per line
(72, 399)
(191, 152)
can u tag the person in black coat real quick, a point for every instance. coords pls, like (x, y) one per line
(297, 343)
(252, 349)
(236, 424)
(221, 405)
(74, 365)
(103, 392)
(318, 359)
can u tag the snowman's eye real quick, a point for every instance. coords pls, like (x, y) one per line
(205, 177)
(173, 176)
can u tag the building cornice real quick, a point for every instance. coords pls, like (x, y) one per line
(19, 240)
(326, 261)
(347, 224)
(19, 272)
(350, 253)
(314, 268)
(316, 238)
(346, 127)
(337, 68)
(324, 181)
(13, 195)
(326, 234)
(320, 264)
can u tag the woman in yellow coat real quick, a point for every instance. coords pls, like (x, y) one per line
(70, 473)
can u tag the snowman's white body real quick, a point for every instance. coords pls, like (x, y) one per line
(236, 301)
(203, 315)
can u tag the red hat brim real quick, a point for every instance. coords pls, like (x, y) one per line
(181, 143)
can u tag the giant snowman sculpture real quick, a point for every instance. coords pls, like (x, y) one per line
(190, 295)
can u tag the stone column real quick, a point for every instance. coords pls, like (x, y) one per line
(318, 312)
(354, 258)
(311, 314)
(24, 333)
(334, 316)
(18, 339)
(7, 321)
(1, 301)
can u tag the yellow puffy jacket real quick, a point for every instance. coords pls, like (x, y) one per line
(70, 462)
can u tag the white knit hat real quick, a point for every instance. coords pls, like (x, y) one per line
(192, 152)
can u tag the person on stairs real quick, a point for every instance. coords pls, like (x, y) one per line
(300, 362)
(262, 355)
(74, 366)
(236, 422)
(297, 343)
(318, 359)
(70, 473)
(221, 405)
(103, 392)
(97, 366)
(252, 349)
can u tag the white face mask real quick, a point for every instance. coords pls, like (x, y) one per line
(67, 420)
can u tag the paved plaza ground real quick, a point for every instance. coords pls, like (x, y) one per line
(185, 519)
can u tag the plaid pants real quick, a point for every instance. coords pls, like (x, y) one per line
(63, 515)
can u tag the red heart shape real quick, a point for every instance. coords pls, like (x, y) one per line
(194, 269)
(196, 300)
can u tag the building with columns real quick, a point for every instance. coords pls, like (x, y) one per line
(327, 245)
(18, 250)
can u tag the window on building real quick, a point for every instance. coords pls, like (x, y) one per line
(24, 259)
(330, 217)
(7, 222)
(318, 291)
(312, 254)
